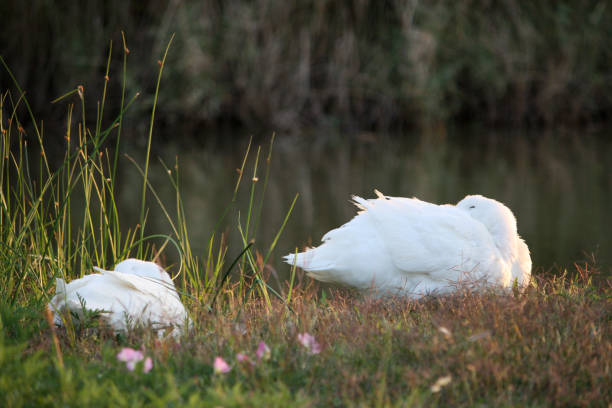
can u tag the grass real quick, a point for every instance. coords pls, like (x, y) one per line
(548, 346)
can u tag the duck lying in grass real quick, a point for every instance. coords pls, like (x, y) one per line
(136, 292)
(405, 246)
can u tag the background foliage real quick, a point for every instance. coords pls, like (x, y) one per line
(289, 65)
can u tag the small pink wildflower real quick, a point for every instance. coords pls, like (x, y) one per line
(129, 354)
(263, 351)
(130, 357)
(148, 365)
(309, 342)
(220, 366)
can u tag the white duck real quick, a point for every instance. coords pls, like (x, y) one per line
(135, 292)
(409, 247)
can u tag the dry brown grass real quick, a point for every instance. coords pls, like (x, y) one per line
(549, 346)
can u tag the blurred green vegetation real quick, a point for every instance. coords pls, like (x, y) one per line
(297, 64)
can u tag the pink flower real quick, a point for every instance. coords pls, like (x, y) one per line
(309, 342)
(220, 366)
(131, 357)
(129, 354)
(148, 365)
(263, 351)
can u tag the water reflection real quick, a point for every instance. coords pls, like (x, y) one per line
(560, 188)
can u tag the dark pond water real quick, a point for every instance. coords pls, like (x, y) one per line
(559, 186)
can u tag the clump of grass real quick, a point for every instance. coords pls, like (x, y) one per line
(60, 217)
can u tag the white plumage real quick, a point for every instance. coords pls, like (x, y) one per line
(406, 246)
(136, 292)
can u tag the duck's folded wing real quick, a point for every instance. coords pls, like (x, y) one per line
(90, 292)
(66, 294)
(156, 293)
(146, 285)
(141, 268)
(429, 239)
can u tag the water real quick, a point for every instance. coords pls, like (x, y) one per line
(558, 186)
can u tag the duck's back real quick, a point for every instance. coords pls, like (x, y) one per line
(405, 246)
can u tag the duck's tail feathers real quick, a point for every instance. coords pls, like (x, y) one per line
(309, 261)
(380, 195)
(296, 259)
(99, 270)
(364, 204)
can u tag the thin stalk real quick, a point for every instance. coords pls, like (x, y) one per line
(146, 166)
(226, 275)
(265, 185)
(291, 280)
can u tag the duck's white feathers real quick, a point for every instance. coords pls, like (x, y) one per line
(142, 293)
(405, 245)
(521, 267)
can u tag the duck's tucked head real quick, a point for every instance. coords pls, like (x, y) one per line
(496, 217)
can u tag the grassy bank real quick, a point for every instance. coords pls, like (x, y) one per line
(366, 64)
(549, 346)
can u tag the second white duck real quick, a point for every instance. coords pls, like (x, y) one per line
(405, 246)
(136, 292)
